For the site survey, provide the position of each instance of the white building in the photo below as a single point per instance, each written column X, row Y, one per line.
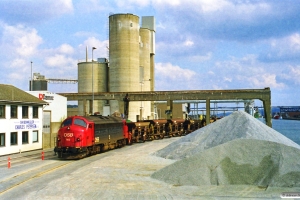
column 21, row 121
column 53, row 114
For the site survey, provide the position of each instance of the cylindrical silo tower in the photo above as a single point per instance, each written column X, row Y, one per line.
column 145, row 78
column 124, row 60
column 148, row 22
column 92, row 77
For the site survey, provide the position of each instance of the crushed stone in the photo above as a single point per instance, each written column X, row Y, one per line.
column 236, row 150
column 235, row 126
column 238, row 162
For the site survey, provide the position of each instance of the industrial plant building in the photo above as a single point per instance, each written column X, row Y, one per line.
column 129, row 68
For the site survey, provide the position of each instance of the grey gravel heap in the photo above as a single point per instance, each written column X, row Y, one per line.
column 236, row 150
column 237, row 125
column 238, row 162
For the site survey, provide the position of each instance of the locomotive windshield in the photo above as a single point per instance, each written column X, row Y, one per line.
column 80, row 122
column 67, row 122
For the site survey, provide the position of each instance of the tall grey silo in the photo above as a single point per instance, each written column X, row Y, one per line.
column 145, row 76
column 92, row 77
column 124, row 60
column 148, row 22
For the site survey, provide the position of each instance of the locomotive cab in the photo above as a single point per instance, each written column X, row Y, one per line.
column 74, row 135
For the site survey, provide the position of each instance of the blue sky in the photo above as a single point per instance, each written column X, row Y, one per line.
column 200, row 44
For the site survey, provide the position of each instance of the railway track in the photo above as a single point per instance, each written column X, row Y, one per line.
column 26, row 168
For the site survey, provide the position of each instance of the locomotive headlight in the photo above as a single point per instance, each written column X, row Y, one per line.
column 78, row 139
column 68, row 127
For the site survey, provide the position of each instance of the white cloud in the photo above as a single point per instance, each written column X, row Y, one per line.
column 227, row 79
column 188, row 43
column 30, row 12
column 17, row 63
column 132, row 4
column 212, row 5
column 291, row 42
column 200, row 58
column 265, row 80
column 245, row 72
column 16, row 77
column 211, row 72
column 291, row 74
column 89, row 6
column 20, row 40
column 58, row 60
column 285, row 48
column 66, row 49
column 64, row 6
column 171, row 72
column 167, row 2
column 101, row 50
column 160, row 25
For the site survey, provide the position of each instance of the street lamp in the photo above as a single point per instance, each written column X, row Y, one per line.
column 31, row 78
column 93, row 78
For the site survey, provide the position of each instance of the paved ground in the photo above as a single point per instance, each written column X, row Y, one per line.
column 119, row 174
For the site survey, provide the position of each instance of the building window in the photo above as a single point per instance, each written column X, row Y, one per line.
column 35, row 136
column 13, row 138
column 35, row 112
column 25, row 137
column 2, row 111
column 14, row 111
column 25, row 112
column 2, row 139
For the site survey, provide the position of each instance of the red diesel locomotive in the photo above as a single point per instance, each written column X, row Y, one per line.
column 81, row 136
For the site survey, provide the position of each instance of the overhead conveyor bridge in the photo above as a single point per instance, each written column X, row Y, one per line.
column 243, row 94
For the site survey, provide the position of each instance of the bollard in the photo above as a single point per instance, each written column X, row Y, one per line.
column 8, row 162
column 42, row 155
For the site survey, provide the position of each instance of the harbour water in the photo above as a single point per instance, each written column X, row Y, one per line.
column 288, row 128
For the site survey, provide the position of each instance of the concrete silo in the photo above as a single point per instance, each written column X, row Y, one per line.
column 39, row 83
column 92, row 81
column 149, row 23
column 124, row 59
column 145, row 78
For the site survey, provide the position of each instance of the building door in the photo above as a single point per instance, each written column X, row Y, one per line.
column 46, row 121
column 46, row 129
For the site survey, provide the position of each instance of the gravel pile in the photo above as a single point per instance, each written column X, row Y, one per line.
column 238, row 162
column 236, row 150
column 237, row 125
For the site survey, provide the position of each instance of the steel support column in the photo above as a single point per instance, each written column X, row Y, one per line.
column 267, row 112
column 169, row 108
column 207, row 111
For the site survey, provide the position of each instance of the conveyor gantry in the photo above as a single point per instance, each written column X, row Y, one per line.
column 246, row 94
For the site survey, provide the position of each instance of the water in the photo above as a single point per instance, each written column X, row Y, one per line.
column 288, row 128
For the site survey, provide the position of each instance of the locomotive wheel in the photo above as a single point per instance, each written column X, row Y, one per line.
column 101, row 148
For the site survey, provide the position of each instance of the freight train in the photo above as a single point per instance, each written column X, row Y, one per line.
column 81, row 136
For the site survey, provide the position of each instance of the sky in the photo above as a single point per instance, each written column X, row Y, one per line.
column 200, row 44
